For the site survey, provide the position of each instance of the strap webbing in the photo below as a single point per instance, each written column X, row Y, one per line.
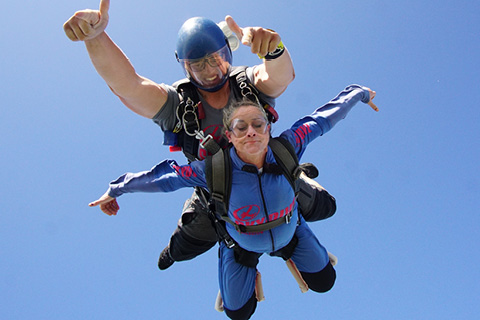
column 286, row 158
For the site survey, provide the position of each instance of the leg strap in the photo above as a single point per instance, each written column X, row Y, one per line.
column 297, row 275
column 258, row 293
column 259, row 287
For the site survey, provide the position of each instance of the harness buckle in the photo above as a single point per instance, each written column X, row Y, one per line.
column 203, row 140
column 288, row 217
column 229, row 243
column 240, row 228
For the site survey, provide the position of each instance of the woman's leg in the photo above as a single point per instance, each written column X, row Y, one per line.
column 311, row 259
column 237, row 285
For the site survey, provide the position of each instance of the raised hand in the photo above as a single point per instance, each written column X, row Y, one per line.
column 261, row 40
column 87, row 24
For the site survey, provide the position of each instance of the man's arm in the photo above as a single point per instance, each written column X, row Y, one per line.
column 274, row 75
column 141, row 95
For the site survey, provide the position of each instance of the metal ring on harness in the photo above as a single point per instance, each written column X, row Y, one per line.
column 190, row 119
column 191, row 126
column 247, row 92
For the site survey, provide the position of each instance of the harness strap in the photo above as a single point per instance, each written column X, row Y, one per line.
column 286, row 158
column 248, row 91
column 190, row 110
column 208, row 143
column 218, row 173
column 297, row 275
column 260, row 227
column 187, row 120
column 219, row 225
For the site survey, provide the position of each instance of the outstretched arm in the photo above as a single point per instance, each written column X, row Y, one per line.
column 327, row 116
column 273, row 76
column 166, row 176
column 141, row 95
column 338, row 108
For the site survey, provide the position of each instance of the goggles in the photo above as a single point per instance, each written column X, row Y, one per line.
column 214, row 60
column 240, row 127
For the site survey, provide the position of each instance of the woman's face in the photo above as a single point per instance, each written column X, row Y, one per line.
column 249, row 132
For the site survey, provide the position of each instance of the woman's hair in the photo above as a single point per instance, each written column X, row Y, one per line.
column 230, row 110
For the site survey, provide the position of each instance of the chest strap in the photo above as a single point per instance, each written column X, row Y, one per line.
column 260, row 227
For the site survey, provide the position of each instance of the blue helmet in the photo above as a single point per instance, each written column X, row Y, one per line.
column 201, row 42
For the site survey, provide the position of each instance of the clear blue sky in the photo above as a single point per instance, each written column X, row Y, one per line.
column 406, row 179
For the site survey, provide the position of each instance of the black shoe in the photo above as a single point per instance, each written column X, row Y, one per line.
column 165, row 261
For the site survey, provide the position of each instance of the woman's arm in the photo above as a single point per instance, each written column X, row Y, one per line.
column 327, row 116
column 338, row 108
column 166, row 176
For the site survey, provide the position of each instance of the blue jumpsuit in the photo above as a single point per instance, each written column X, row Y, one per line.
column 255, row 198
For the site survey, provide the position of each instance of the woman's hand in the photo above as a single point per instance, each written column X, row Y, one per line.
column 370, row 103
column 107, row 204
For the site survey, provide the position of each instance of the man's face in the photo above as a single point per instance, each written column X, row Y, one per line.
column 208, row 72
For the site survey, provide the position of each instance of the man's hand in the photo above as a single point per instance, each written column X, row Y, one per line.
column 262, row 41
column 107, row 204
column 87, row 24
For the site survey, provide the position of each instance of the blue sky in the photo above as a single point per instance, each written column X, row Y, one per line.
column 406, row 179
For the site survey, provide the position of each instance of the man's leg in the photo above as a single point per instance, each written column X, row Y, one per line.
column 195, row 234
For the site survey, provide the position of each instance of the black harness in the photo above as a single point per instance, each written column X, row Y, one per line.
column 218, row 173
column 188, row 135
